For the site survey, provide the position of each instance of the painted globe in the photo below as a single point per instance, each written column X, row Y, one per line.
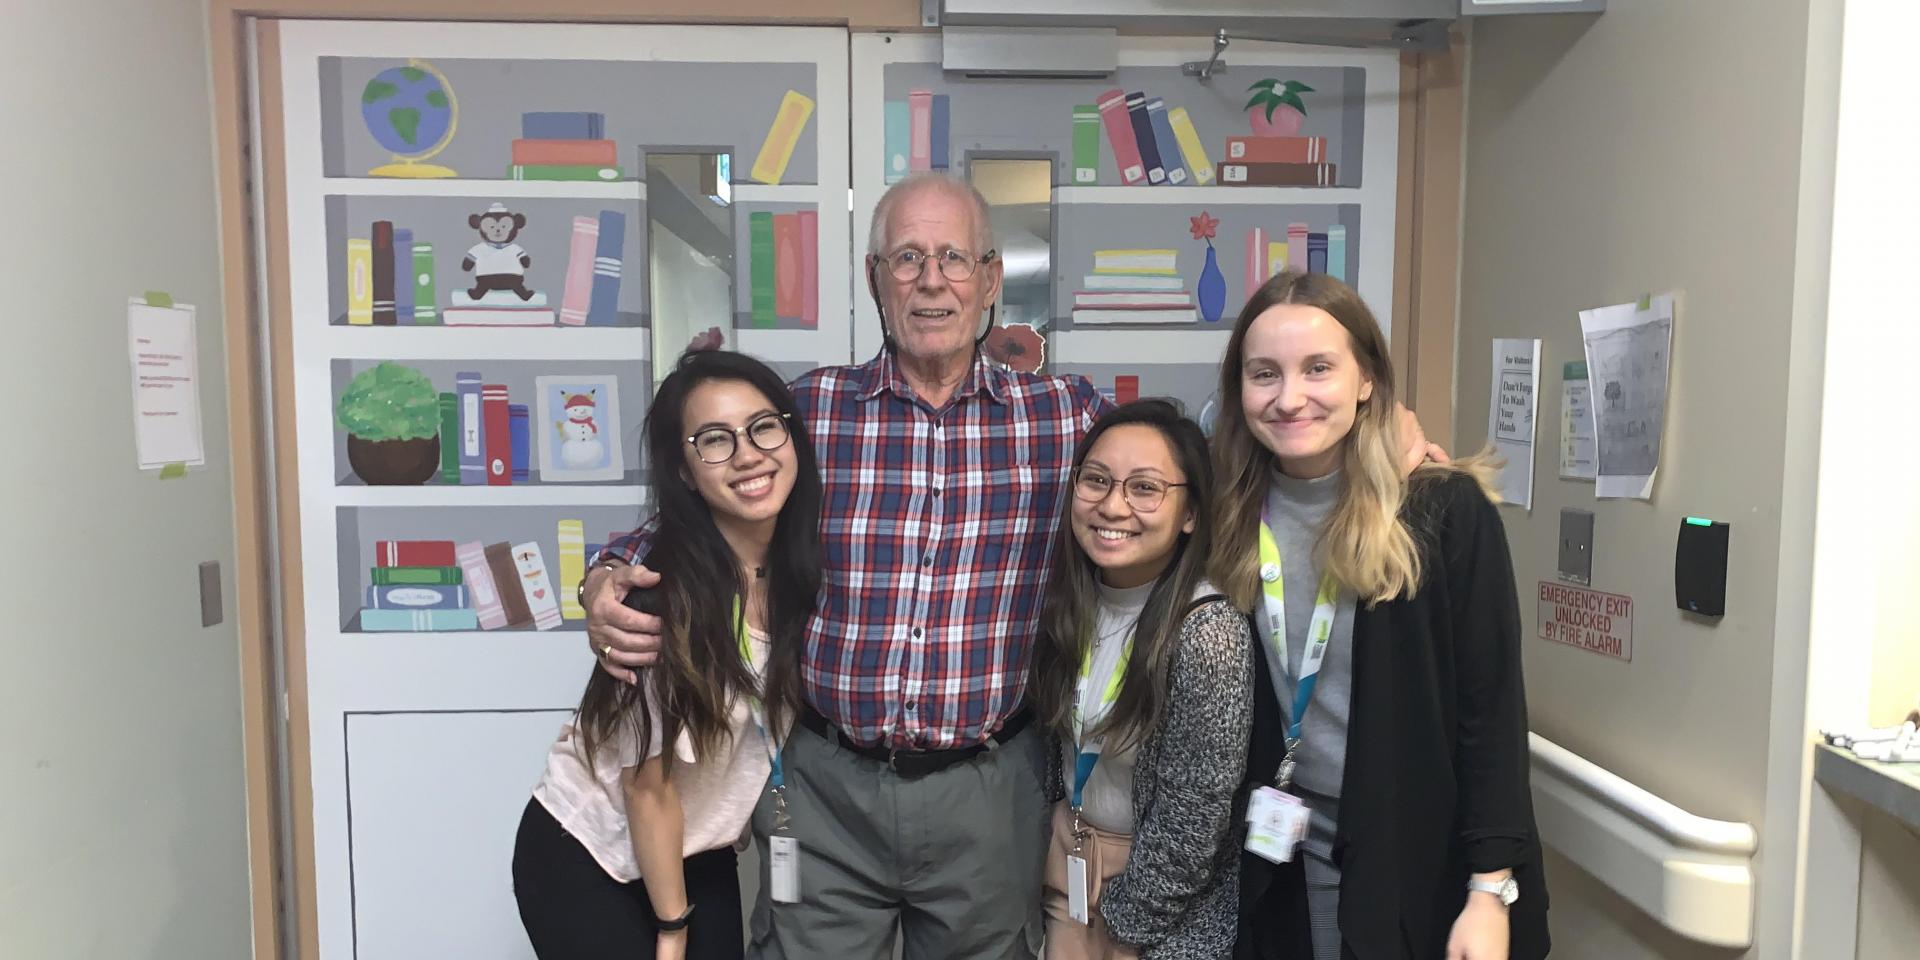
column 408, row 110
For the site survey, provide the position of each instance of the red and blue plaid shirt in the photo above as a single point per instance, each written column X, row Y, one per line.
column 937, row 528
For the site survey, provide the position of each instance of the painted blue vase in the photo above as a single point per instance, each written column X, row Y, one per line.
column 1212, row 289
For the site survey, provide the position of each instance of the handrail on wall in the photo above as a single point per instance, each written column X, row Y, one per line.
column 1692, row 873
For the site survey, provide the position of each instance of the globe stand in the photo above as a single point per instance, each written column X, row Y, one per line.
column 405, row 169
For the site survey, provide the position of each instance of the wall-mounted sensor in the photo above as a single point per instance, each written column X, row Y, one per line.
column 1700, row 567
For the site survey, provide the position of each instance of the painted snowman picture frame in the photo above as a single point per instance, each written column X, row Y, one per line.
column 578, row 426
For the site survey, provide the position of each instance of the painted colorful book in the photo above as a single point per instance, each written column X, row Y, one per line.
column 776, row 150
column 479, row 576
column 422, row 621
column 403, row 276
column 1276, row 256
column 499, row 430
column 1337, row 252
column 1165, row 143
column 604, row 303
column 760, row 257
column 1277, row 149
column 563, row 171
column 1132, row 281
column 1126, row 388
column 595, row 153
column 577, row 294
column 1277, row 174
column 1143, row 137
column 359, row 281
column 899, row 140
column 506, row 582
column 519, row 438
column 809, row 230
column 473, row 445
column 1135, row 261
column 416, row 597
column 1317, row 252
column 786, row 266
column 1086, row 144
column 449, row 438
column 1131, row 298
column 428, row 576
column 562, row 125
column 1256, row 259
column 413, row 553
column 1297, row 247
column 1126, row 152
column 537, row 585
column 939, row 154
column 920, row 130
column 383, row 273
column 426, row 311
column 1156, row 315
column 1192, row 148
column 573, row 567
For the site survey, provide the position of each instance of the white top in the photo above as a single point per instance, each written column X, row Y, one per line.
column 1107, row 800
column 489, row 260
column 716, row 796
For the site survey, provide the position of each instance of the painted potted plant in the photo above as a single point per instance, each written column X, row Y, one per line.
column 1275, row 109
column 392, row 417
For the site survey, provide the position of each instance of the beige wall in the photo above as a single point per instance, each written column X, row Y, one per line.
column 122, row 825
column 1889, row 888
column 1654, row 148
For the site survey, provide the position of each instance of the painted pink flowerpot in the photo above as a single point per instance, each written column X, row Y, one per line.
column 1285, row 121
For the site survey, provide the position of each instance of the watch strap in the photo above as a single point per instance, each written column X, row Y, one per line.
column 677, row 923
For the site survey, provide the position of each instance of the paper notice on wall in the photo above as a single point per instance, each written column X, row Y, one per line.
column 1628, row 347
column 166, row 384
column 1516, row 379
column 1577, row 460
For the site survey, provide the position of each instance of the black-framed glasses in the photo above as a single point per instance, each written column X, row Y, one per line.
column 767, row 432
column 1143, row 494
column 957, row 266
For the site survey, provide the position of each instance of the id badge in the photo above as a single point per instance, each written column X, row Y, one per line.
column 1077, row 889
column 1276, row 823
column 783, row 861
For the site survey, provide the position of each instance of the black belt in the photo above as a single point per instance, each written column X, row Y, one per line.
column 914, row 763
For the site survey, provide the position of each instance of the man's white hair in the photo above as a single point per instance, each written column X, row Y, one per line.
column 878, row 244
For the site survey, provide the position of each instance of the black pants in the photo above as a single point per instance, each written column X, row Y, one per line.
column 573, row 911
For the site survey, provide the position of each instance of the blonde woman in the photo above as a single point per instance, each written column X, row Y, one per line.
column 1388, row 808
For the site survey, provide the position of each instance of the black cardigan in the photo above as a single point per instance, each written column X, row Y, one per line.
column 1435, row 786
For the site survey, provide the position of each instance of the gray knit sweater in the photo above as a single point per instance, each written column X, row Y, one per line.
column 1179, row 897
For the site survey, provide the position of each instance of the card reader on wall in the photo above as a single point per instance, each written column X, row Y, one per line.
column 1700, row 567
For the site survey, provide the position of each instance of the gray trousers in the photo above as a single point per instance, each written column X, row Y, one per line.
column 949, row 863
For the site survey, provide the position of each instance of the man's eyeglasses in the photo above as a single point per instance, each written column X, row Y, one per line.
column 956, row 265
column 767, row 432
column 1143, row 494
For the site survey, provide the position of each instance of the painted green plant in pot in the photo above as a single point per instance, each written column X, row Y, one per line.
column 1275, row 109
column 392, row 417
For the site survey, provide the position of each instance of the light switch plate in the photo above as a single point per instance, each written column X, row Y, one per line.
column 1576, row 546
column 212, row 611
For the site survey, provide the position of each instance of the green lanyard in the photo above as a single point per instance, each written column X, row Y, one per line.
column 1274, row 629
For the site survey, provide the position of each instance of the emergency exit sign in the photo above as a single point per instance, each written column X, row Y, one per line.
column 1598, row 622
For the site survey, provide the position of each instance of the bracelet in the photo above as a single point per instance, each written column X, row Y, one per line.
column 580, row 592
column 677, row 923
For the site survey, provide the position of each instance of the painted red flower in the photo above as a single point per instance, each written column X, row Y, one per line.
column 1017, row 346
column 710, row 340
column 1204, row 227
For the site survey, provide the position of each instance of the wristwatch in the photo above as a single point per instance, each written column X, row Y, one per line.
column 677, row 923
column 1507, row 890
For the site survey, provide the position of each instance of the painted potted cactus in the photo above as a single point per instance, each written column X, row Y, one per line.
column 1275, row 109
column 392, row 417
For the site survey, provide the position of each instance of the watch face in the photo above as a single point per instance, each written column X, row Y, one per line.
column 1509, row 891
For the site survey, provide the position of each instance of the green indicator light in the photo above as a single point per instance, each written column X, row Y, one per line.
column 1700, row 521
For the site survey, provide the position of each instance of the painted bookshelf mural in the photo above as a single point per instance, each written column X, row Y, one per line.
column 1171, row 200
column 497, row 236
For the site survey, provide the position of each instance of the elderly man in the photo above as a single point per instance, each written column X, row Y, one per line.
column 912, row 779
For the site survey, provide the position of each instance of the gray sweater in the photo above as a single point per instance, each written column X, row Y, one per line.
column 1179, row 897
column 1299, row 510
